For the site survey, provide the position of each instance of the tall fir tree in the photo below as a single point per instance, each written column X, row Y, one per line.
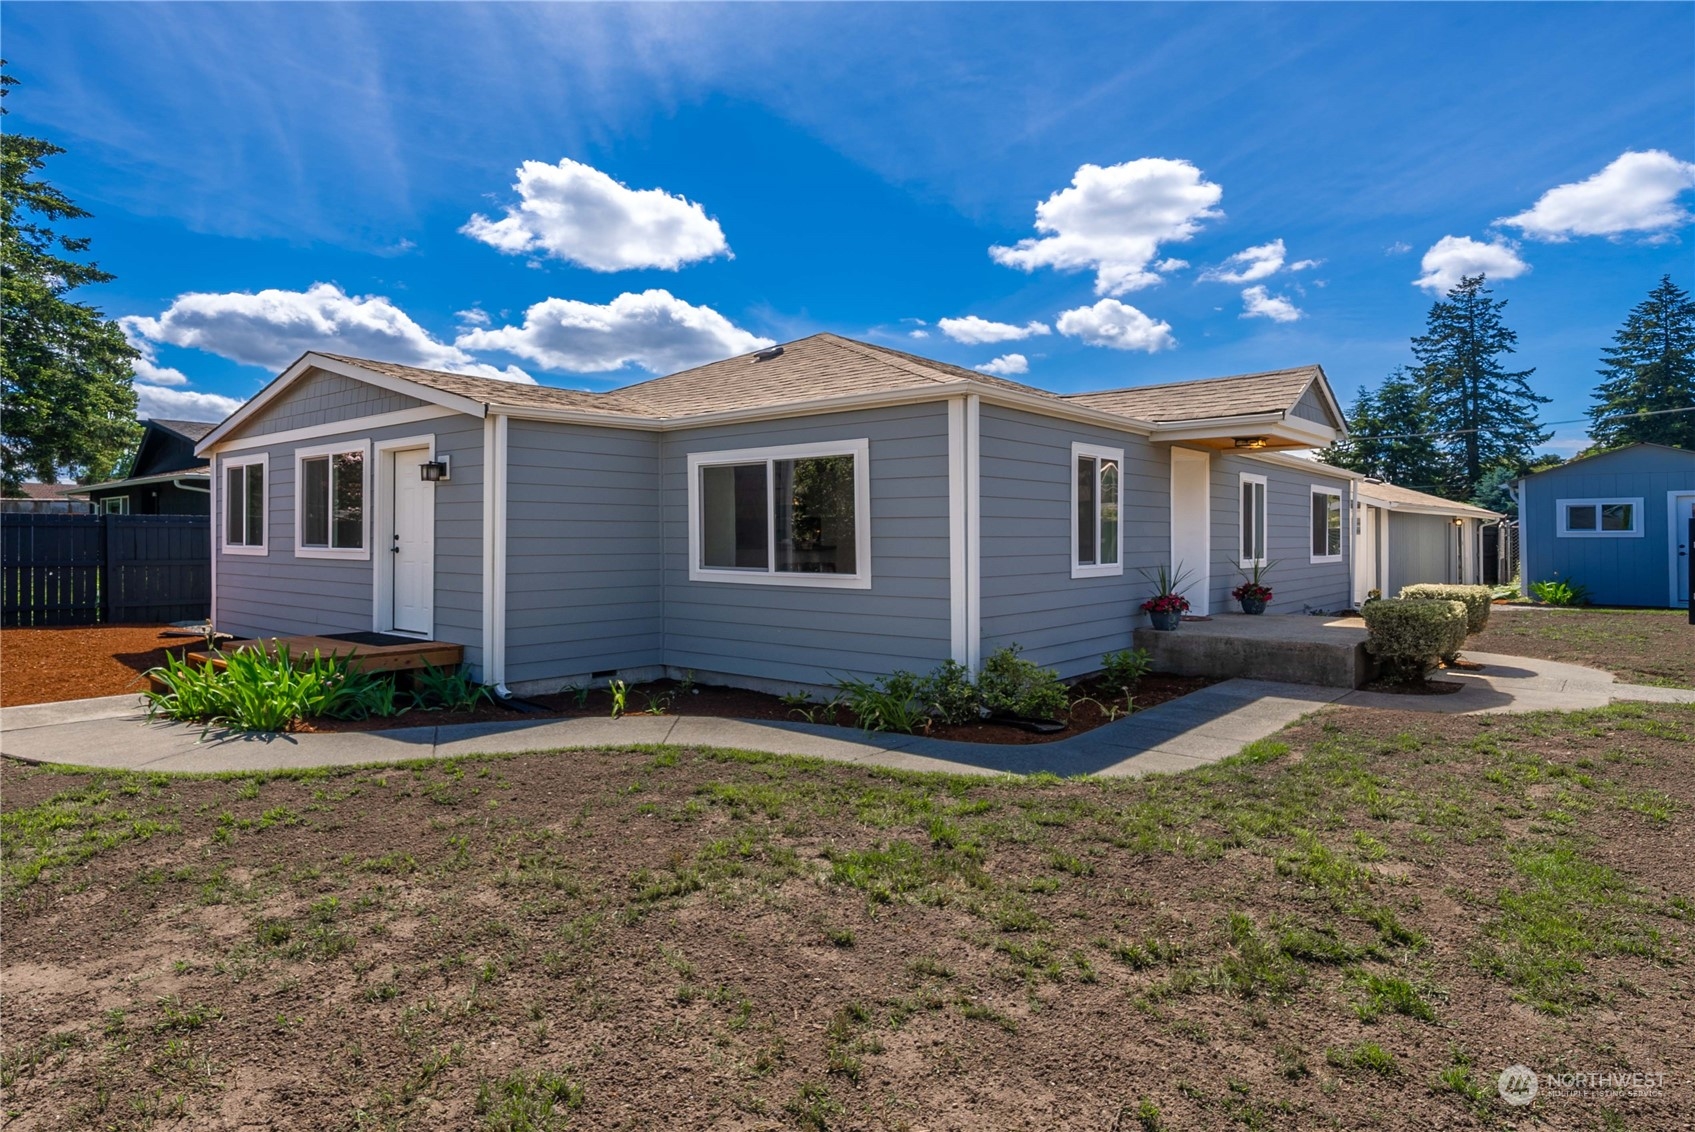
column 65, row 376
column 1649, row 368
column 1389, row 436
column 1487, row 412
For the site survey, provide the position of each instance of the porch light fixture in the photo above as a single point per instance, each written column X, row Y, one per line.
column 433, row 471
column 1251, row 442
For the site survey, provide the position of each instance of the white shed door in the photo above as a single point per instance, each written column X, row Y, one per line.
column 413, row 544
column 1682, row 507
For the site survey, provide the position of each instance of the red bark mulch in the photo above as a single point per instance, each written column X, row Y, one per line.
column 41, row 666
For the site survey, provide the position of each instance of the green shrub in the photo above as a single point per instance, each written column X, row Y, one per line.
column 1011, row 685
column 1478, row 601
column 268, row 690
column 889, row 704
column 1409, row 635
column 949, row 693
column 448, row 689
column 1122, row 669
column 1557, row 592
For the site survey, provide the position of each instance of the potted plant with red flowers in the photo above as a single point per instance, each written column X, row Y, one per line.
column 1167, row 607
column 1253, row 593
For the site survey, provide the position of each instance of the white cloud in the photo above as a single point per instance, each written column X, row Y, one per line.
column 182, row 404
column 975, row 331
column 476, row 316
column 1399, row 247
column 1637, row 192
column 1117, row 326
column 272, row 328
column 574, row 212
column 918, row 334
column 1256, row 303
column 1113, row 220
column 1006, row 365
column 1453, row 257
column 1171, row 264
column 1249, row 264
column 654, row 330
column 1304, row 264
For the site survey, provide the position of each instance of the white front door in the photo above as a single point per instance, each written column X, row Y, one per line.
column 1681, row 504
column 1368, row 573
column 412, row 544
column 1191, row 525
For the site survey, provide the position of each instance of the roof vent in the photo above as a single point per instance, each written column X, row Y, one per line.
column 767, row 355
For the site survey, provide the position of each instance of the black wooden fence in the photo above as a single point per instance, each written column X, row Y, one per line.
column 105, row 569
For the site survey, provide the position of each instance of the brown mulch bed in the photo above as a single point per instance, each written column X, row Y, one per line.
column 1092, row 708
column 39, row 666
column 689, row 941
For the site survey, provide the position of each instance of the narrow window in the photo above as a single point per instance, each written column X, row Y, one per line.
column 332, row 501
column 1097, row 534
column 1326, row 525
column 733, row 527
column 1087, row 543
column 244, row 505
column 1253, row 520
column 814, row 515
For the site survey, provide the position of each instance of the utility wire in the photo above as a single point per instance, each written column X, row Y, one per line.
column 1574, row 420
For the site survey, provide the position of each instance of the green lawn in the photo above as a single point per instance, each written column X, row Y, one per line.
column 1639, row 646
column 1359, row 924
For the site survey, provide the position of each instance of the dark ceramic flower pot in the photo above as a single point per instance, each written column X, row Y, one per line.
column 1165, row 621
column 1253, row 605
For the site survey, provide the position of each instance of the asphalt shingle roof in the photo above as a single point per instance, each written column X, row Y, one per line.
column 1272, row 391
column 1389, row 493
column 193, row 430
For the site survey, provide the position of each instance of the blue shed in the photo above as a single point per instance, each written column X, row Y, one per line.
column 1616, row 523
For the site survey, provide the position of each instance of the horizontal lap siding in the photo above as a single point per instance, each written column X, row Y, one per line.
column 279, row 594
column 1616, row 571
column 807, row 635
column 582, row 551
column 1028, row 595
column 1422, row 550
column 1297, row 583
column 324, row 398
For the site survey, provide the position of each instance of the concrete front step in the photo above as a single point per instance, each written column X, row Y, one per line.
column 1287, row 647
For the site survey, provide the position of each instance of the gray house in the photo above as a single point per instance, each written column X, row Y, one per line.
column 778, row 519
column 1616, row 523
column 1407, row 537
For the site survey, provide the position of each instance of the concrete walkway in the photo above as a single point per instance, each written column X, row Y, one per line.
column 1200, row 728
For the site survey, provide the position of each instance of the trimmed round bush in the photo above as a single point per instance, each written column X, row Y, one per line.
column 1409, row 635
column 1478, row 601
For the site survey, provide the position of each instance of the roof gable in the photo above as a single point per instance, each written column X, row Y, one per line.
column 1642, row 452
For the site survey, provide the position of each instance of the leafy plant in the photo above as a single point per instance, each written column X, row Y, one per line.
column 1409, row 635
column 1562, row 593
column 1012, row 685
column 1167, row 597
column 1253, row 587
column 889, row 704
column 1126, row 667
column 448, row 689
column 658, row 703
column 268, row 690
column 579, row 694
column 620, row 697
column 950, row 694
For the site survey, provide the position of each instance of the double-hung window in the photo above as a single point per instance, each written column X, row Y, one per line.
column 795, row 515
column 244, row 504
column 1326, row 524
column 1599, row 518
column 1251, row 545
column 1097, row 534
column 329, row 501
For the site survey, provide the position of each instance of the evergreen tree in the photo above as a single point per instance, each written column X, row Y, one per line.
column 64, row 368
column 1649, row 367
column 1388, row 436
column 1487, row 411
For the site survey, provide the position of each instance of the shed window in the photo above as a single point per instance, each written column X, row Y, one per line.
column 1097, row 535
column 793, row 515
column 1326, row 525
column 244, row 505
column 1252, row 521
column 1599, row 518
column 329, row 501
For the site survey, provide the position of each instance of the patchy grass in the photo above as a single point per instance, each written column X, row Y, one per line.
column 1639, row 646
column 714, row 937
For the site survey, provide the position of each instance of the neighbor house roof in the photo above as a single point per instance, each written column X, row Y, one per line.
column 188, row 430
column 42, row 490
column 1406, row 499
column 1274, row 391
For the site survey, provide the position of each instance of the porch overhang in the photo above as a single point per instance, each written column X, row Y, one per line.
column 1262, row 432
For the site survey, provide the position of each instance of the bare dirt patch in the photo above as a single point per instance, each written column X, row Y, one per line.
column 1357, row 926
column 1639, row 646
column 39, row 666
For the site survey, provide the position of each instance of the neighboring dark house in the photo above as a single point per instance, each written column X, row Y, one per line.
column 43, row 499
column 165, row 477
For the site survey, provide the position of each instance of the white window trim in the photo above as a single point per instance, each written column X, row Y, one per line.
column 1265, row 517
column 122, row 501
column 1336, row 493
column 263, row 459
column 859, row 449
column 1563, row 531
column 1097, row 452
column 301, row 455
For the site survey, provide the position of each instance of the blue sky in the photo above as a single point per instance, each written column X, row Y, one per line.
column 1225, row 188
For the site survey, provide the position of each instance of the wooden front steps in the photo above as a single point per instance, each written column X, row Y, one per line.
column 371, row 652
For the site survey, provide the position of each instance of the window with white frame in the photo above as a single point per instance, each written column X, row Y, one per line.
column 1326, row 524
column 1251, row 544
column 1599, row 518
column 790, row 515
column 329, row 501
column 115, row 505
column 244, row 504
column 1097, row 534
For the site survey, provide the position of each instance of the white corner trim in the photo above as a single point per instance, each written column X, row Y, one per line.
column 263, row 459
column 1342, row 510
column 1099, row 453
column 495, row 433
column 958, row 593
column 1264, row 518
column 973, row 533
column 1561, row 515
column 348, row 553
column 382, row 519
column 859, row 449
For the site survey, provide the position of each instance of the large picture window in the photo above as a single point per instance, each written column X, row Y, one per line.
column 329, row 497
column 795, row 515
column 1599, row 518
column 244, row 505
column 1326, row 525
column 1097, row 533
column 1252, row 542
